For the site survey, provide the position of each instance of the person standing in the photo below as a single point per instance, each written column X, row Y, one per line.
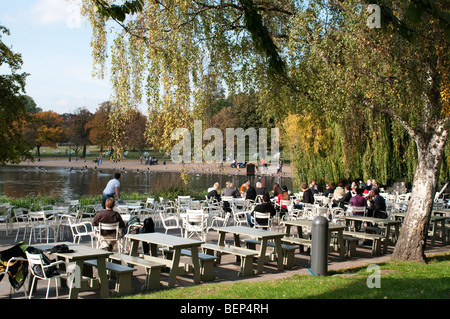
column 112, row 190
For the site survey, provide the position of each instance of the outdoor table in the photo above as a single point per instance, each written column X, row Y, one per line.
column 174, row 243
column 434, row 221
column 387, row 223
column 332, row 228
column 441, row 212
column 82, row 253
column 260, row 234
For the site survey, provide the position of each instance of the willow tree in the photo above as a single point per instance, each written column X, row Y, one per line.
column 382, row 70
column 163, row 50
column 314, row 57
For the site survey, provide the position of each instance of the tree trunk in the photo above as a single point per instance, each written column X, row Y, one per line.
column 411, row 243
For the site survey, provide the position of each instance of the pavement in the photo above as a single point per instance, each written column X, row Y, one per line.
column 226, row 272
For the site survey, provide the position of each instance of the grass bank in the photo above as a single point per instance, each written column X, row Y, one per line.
column 398, row 280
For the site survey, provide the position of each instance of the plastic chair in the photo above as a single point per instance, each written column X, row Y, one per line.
column 41, row 223
column 261, row 220
column 240, row 218
column 36, row 262
column 102, row 241
column 195, row 224
column 6, row 217
column 80, row 230
column 219, row 221
column 169, row 220
column 22, row 219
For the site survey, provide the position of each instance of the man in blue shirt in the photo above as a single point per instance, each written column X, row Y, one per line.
column 112, row 189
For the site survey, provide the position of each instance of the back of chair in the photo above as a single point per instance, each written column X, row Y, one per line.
column 36, row 260
column 261, row 220
column 109, row 227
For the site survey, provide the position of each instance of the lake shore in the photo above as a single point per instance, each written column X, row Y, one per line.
column 135, row 165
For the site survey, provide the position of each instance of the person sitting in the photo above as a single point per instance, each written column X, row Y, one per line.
column 308, row 196
column 213, row 192
column 283, row 196
column 230, row 190
column 108, row 216
column 377, row 206
column 265, row 207
column 338, row 192
column 260, row 190
column 344, row 200
column 276, row 190
column 315, row 189
column 358, row 200
column 329, row 190
column 244, row 187
column 234, row 164
column 251, row 192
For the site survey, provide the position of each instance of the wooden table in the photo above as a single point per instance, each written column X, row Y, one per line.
column 387, row 223
column 332, row 228
column 80, row 254
column 174, row 243
column 260, row 234
column 434, row 222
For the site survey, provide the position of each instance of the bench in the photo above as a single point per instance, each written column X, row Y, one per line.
column 206, row 262
column 122, row 276
column 350, row 244
column 288, row 251
column 302, row 242
column 152, row 269
column 246, row 256
column 377, row 240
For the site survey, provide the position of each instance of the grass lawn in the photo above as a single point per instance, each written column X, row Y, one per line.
column 398, row 280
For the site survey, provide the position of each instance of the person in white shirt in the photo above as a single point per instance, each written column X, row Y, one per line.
column 112, row 189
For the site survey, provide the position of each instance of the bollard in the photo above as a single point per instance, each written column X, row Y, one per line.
column 319, row 246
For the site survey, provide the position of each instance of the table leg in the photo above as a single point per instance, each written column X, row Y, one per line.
column 74, row 290
column 262, row 256
column 196, row 264
column 103, row 277
column 341, row 243
column 279, row 253
column 134, row 247
column 174, row 269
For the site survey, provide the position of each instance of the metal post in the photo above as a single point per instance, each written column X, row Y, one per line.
column 319, row 246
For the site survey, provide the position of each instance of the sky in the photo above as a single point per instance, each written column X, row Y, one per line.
column 54, row 42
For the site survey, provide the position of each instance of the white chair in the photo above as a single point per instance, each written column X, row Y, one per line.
column 239, row 217
column 357, row 210
column 5, row 217
column 183, row 203
column 261, row 220
column 219, row 221
column 81, row 229
column 39, row 222
column 108, row 242
column 22, row 220
column 170, row 220
column 195, row 224
column 38, row 270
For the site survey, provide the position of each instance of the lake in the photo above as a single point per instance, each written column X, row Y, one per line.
column 20, row 181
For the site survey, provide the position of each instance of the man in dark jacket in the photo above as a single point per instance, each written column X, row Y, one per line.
column 265, row 207
column 377, row 207
column 308, row 197
column 108, row 216
column 251, row 192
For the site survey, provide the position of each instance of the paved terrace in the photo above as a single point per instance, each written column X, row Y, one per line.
column 226, row 272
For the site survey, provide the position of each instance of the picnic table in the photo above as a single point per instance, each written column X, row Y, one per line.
column 173, row 243
column 435, row 220
column 264, row 236
column 385, row 223
column 79, row 256
column 332, row 228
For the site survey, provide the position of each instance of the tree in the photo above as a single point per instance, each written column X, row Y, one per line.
column 44, row 128
column 317, row 57
column 99, row 126
column 380, row 71
column 135, row 131
column 79, row 129
column 13, row 115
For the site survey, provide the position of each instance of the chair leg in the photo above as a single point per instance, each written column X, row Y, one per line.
column 32, row 287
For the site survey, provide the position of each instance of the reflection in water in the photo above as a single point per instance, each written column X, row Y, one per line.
column 18, row 181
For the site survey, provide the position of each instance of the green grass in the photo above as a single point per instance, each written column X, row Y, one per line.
column 399, row 280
